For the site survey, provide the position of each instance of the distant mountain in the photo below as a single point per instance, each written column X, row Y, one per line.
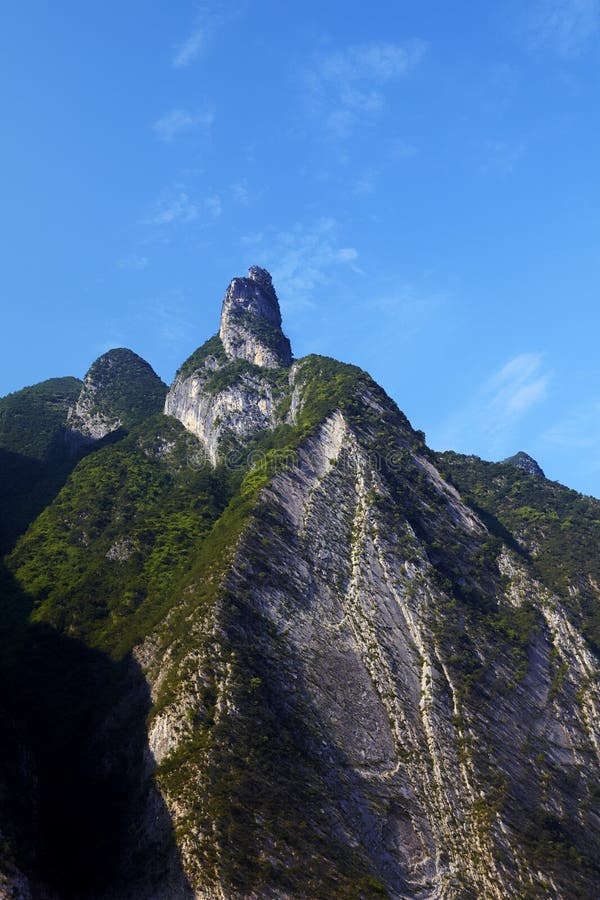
column 269, row 645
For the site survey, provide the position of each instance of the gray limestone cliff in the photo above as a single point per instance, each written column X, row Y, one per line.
column 414, row 704
column 119, row 390
column 251, row 322
column 230, row 387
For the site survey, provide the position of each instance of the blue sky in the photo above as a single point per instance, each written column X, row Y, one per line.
column 421, row 178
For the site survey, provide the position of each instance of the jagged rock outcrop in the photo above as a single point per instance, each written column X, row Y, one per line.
column 119, row 390
column 239, row 410
column 523, row 461
column 251, row 322
column 231, row 387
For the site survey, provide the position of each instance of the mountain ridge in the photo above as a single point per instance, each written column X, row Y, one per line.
column 328, row 660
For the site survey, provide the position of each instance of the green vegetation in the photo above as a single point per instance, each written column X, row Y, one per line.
column 142, row 539
column 32, row 420
column 34, row 457
column 553, row 526
column 120, row 534
column 127, row 388
column 212, row 347
column 266, row 332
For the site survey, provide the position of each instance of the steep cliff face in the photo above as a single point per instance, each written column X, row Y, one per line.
column 119, row 390
column 296, row 654
column 225, row 403
column 231, row 387
column 251, row 322
column 440, row 709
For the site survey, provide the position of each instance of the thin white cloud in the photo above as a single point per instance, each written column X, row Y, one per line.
column 347, row 87
column 135, row 262
column 252, row 240
column 176, row 207
column 191, row 48
column 167, row 317
column 347, row 254
column 501, row 157
column 210, row 18
column 302, row 259
column 580, row 429
column 214, row 206
column 566, row 27
column 365, row 184
column 400, row 149
column 489, row 418
column 240, row 192
column 407, row 310
column 181, row 121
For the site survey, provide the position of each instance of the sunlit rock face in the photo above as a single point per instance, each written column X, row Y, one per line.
column 251, row 322
column 216, row 395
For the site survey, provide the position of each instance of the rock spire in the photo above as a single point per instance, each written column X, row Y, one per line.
column 251, row 322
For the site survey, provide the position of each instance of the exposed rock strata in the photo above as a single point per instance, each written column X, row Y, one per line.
column 240, row 409
column 436, row 777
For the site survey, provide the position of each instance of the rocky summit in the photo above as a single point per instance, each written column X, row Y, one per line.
column 251, row 322
column 526, row 462
column 268, row 644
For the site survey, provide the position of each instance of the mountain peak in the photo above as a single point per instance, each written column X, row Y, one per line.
column 251, row 322
column 119, row 389
column 526, row 462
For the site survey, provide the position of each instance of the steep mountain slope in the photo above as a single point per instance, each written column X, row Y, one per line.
column 278, row 648
column 34, row 460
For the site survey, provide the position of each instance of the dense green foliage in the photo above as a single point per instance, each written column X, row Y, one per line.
column 34, row 458
column 226, row 371
column 119, row 535
column 210, row 348
column 553, row 526
column 125, row 387
column 32, row 420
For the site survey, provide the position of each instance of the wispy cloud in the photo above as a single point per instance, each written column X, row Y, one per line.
column 303, row 258
column 240, row 192
column 504, row 399
column 167, row 317
column 209, row 19
column 135, row 262
column 178, row 207
column 579, row 429
column 501, row 157
column 347, row 87
column 411, row 306
column 173, row 208
column 181, row 121
column 566, row 27
column 190, row 49
column 213, row 206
